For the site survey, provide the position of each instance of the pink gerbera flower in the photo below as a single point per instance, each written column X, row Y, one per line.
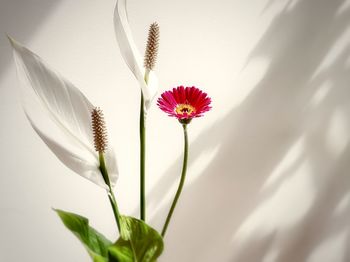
column 184, row 103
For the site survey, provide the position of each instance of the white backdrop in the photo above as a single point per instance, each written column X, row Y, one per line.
column 268, row 174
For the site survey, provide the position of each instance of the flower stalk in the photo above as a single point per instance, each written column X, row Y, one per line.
column 100, row 140
column 149, row 63
column 110, row 193
column 143, row 154
column 142, row 160
column 182, row 181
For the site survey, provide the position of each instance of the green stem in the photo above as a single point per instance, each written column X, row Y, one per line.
column 143, row 155
column 182, row 181
column 111, row 196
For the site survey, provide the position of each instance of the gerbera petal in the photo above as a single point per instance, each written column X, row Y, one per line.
column 184, row 103
column 169, row 99
column 131, row 54
column 175, row 95
column 189, row 94
column 64, row 109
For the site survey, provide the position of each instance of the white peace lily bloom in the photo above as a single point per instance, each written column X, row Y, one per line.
column 131, row 54
column 61, row 115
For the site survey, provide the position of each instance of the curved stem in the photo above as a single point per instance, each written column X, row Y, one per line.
column 114, row 205
column 182, row 181
column 143, row 156
column 142, row 161
column 111, row 196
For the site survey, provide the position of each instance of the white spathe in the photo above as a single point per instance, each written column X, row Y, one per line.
column 61, row 115
column 131, row 54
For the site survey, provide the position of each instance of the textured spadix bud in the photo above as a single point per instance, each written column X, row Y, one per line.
column 152, row 47
column 99, row 130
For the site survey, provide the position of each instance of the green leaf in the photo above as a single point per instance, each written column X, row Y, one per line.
column 138, row 242
column 120, row 252
column 95, row 243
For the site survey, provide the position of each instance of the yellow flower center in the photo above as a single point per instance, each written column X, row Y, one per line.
column 184, row 108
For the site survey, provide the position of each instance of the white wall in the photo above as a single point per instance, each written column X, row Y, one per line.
column 268, row 177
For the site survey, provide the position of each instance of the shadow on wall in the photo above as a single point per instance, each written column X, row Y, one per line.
column 21, row 19
column 297, row 101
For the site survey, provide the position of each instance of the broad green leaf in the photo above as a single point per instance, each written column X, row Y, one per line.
column 98, row 258
column 138, row 242
column 120, row 252
column 95, row 243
